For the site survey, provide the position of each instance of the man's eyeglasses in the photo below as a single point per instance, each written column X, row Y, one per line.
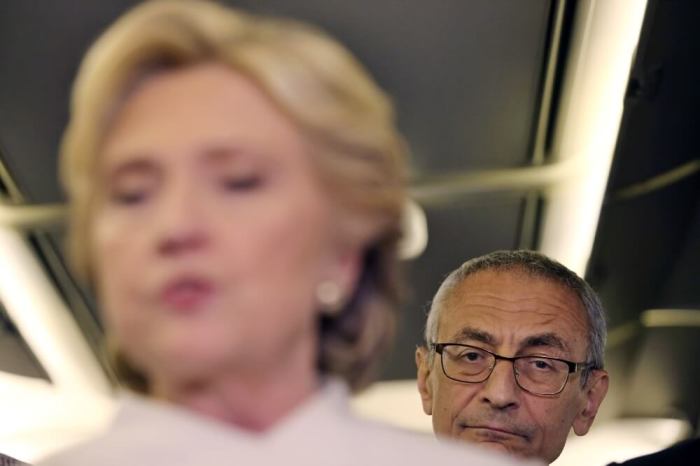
column 538, row 375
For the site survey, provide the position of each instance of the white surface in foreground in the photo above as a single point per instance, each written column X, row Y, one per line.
column 37, row 419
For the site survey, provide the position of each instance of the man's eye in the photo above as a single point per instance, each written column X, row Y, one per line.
column 471, row 356
column 241, row 183
column 541, row 364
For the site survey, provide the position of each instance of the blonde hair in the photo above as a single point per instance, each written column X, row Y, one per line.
column 347, row 120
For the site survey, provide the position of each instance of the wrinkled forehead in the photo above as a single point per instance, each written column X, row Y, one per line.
column 514, row 308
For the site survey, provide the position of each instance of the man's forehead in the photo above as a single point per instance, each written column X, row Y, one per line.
column 491, row 303
column 535, row 339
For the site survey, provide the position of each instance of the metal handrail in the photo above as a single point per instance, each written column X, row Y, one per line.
column 23, row 216
column 671, row 318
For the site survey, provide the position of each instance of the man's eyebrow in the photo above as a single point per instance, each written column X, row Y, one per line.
column 549, row 340
column 472, row 333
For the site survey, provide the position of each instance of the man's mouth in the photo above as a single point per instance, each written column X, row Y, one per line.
column 489, row 432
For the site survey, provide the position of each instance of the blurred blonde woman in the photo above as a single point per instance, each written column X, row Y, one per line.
column 235, row 186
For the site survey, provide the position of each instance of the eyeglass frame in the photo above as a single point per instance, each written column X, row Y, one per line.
column 573, row 366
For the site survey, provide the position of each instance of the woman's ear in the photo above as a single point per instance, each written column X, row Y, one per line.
column 340, row 278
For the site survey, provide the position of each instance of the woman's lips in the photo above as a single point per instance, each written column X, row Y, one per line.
column 186, row 294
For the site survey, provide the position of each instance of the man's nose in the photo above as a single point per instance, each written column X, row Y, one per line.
column 180, row 220
column 500, row 390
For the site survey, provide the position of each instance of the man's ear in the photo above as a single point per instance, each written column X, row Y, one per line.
column 425, row 385
column 594, row 392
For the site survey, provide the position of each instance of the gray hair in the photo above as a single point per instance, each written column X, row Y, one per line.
column 536, row 264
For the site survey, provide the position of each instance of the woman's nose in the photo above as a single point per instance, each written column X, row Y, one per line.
column 181, row 241
column 180, row 220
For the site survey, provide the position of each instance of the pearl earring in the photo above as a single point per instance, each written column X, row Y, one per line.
column 329, row 296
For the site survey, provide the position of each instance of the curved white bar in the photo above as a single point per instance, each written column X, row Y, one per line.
column 605, row 38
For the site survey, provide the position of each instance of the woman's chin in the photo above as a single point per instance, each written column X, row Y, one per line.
column 185, row 367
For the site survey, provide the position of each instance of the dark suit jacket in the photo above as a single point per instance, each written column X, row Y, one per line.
column 687, row 452
column 7, row 461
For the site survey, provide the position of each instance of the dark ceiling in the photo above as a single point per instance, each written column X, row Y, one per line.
column 465, row 92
